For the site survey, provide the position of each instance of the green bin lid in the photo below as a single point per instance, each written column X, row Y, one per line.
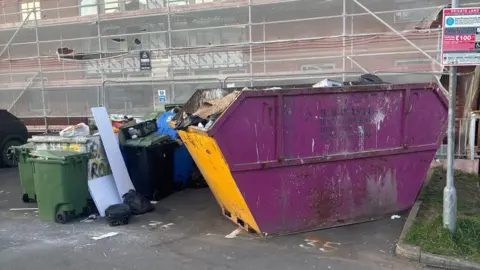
column 57, row 155
column 147, row 141
column 28, row 147
column 152, row 115
column 25, row 146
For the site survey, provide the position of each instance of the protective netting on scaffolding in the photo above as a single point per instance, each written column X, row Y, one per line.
column 63, row 48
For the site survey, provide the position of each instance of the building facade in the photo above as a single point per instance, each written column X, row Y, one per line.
column 59, row 58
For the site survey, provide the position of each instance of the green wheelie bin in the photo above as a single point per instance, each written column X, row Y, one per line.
column 61, row 183
column 25, row 170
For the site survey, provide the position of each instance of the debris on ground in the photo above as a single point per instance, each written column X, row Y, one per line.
column 395, row 217
column 103, row 236
column 155, row 223
column 167, row 226
column 234, row 233
column 322, row 244
column 89, row 219
column 23, row 209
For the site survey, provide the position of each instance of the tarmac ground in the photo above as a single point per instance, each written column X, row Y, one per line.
column 186, row 231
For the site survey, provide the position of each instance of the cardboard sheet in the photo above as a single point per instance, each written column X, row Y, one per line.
column 216, row 106
column 104, row 193
column 112, row 149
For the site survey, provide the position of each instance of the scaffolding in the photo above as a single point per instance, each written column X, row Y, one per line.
column 60, row 57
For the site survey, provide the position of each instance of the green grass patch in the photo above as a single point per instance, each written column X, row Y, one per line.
column 427, row 230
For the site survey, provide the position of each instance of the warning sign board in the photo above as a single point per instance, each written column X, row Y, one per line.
column 145, row 62
column 461, row 37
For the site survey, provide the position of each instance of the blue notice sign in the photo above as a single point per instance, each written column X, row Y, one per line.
column 450, row 21
column 162, row 95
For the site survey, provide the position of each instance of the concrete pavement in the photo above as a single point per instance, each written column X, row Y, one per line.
column 186, row 231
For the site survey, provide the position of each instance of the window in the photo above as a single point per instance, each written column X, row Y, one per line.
column 111, row 6
column 177, row 2
column 233, row 71
column 317, row 67
column 88, row 7
column 28, row 7
column 186, row 2
column 152, row 3
column 412, row 62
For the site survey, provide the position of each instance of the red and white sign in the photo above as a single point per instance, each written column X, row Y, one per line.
column 461, row 37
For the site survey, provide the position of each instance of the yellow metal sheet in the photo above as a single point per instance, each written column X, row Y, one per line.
column 212, row 164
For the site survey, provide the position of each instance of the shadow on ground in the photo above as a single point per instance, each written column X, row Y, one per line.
column 186, row 231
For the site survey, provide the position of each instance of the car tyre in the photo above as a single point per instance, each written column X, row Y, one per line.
column 7, row 157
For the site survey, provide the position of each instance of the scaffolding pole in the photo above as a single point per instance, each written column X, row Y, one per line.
column 344, row 30
column 264, row 47
column 351, row 33
column 250, row 41
column 100, row 61
column 40, row 67
column 170, row 56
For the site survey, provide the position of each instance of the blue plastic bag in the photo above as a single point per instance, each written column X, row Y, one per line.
column 182, row 161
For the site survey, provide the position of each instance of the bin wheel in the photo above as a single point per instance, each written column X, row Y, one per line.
column 25, row 198
column 61, row 217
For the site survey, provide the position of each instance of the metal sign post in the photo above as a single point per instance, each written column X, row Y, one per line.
column 449, row 192
column 459, row 47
